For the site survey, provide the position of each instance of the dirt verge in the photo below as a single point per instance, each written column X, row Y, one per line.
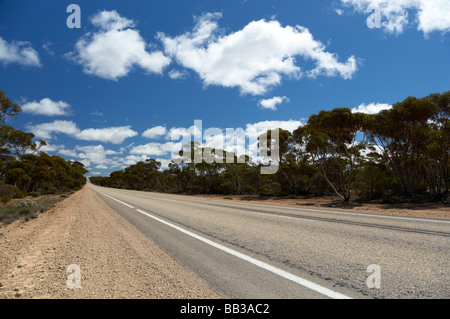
column 115, row 260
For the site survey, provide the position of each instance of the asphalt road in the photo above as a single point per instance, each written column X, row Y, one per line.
column 247, row 251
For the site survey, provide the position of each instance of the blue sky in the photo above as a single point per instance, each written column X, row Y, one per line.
column 92, row 92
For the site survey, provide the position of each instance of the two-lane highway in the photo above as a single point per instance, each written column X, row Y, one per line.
column 258, row 251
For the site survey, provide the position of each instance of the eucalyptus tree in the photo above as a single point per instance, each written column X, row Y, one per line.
column 404, row 134
column 331, row 138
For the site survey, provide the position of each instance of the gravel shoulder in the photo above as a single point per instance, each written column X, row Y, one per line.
column 114, row 258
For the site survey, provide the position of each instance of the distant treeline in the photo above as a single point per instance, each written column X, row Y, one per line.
column 24, row 169
column 397, row 154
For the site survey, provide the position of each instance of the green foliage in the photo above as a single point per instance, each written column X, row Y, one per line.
column 27, row 203
column 7, row 108
column 5, row 199
column 26, row 169
column 399, row 153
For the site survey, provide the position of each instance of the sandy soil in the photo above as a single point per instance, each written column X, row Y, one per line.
column 420, row 210
column 114, row 258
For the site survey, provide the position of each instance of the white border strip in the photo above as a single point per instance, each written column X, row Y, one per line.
column 306, row 283
column 115, row 199
column 303, row 282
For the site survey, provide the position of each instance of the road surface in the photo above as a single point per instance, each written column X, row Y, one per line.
column 245, row 250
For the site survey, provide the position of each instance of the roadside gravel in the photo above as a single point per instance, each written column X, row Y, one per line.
column 114, row 258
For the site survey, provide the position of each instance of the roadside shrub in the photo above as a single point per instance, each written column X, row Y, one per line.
column 263, row 191
column 248, row 189
column 5, row 199
column 35, row 194
column 226, row 188
column 53, row 190
column 17, row 192
column 27, row 203
column 8, row 214
column 393, row 199
column 25, row 211
column 275, row 189
column 6, row 191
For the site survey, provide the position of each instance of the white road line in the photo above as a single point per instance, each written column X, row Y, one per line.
column 282, row 273
column 303, row 282
column 115, row 199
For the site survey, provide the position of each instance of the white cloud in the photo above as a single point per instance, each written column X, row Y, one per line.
column 47, row 107
column 115, row 135
column 113, row 50
column 176, row 75
column 177, row 133
column 66, row 152
column 164, row 163
column 46, row 46
column 46, row 130
column 155, row 149
column 430, row 15
column 263, row 126
column 273, row 102
column 95, row 154
column 133, row 159
column 255, row 58
column 18, row 52
column 51, row 148
column 155, row 132
column 372, row 108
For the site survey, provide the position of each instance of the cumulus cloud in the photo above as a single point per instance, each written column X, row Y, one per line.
column 155, row 132
column 95, row 154
column 18, row 52
column 155, row 149
column 372, row 108
column 255, row 58
column 47, row 107
column 273, row 102
column 66, row 152
column 115, row 48
column 47, row 130
column 430, row 15
column 51, row 148
column 115, row 135
column 176, row 74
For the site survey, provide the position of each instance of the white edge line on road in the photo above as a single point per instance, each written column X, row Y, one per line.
column 116, row 199
column 303, row 282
